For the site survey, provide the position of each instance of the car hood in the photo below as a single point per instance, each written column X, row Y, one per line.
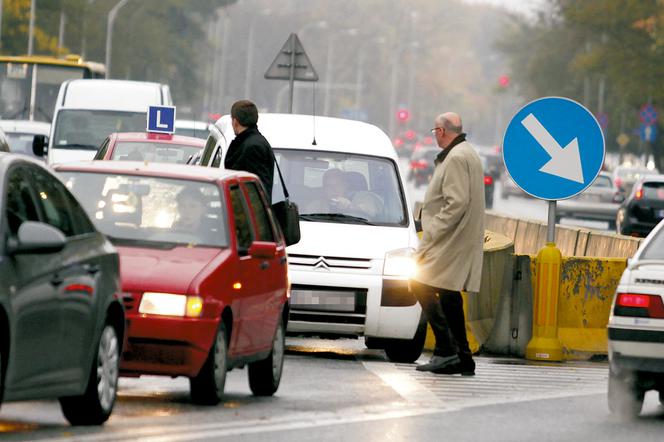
column 170, row 271
column 57, row 156
column 351, row 240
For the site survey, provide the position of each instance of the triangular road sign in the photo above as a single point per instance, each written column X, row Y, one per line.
column 292, row 57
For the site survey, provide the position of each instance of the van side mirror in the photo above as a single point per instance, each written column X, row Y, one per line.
column 417, row 216
column 39, row 145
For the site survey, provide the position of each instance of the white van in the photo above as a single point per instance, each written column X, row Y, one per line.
column 349, row 272
column 87, row 111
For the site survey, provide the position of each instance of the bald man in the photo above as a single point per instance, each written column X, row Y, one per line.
column 449, row 256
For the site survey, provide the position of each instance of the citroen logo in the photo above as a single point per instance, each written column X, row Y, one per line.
column 321, row 264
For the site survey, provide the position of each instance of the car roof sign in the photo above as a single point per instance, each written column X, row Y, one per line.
column 161, row 119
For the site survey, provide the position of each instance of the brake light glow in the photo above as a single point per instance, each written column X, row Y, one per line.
column 630, row 300
column 639, row 305
column 488, row 180
column 418, row 164
column 639, row 193
column 618, row 182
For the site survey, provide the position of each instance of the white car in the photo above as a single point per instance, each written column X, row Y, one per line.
column 21, row 135
column 192, row 128
column 636, row 329
column 350, row 270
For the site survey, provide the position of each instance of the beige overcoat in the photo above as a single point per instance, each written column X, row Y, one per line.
column 450, row 252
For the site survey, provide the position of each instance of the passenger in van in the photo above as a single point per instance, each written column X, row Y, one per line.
column 346, row 192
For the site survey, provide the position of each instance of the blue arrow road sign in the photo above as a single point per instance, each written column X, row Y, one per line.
column 161, row 119
column 553, row 148
column 648, row 132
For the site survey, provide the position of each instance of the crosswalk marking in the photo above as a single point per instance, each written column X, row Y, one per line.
column 495, row 381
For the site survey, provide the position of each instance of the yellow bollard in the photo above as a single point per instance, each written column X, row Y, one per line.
column 545, row 345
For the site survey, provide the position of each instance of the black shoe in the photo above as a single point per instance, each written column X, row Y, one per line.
column 439, row 363
column 462, row 368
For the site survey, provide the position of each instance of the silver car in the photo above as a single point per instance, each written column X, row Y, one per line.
column 599, row 202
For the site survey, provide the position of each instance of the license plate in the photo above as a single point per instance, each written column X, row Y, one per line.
column 323, row 300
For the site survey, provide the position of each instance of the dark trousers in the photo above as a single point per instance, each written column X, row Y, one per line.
column 444, row 312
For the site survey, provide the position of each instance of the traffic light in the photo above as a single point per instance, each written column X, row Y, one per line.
column 403, row 115
column 504, row 81
column 410, row 134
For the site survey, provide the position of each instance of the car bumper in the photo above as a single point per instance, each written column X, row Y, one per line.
column 389, row 310
column 599, row 211
column 638, row 227
column 167, row 346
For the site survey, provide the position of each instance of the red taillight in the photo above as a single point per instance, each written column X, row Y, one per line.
column 418, row 164
column 631, row 300
column 488, row 180
column 639, row 193
column 649, row 306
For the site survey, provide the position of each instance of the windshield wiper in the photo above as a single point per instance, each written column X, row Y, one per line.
column 142, row 243
column 337, row 217
column 76, row 146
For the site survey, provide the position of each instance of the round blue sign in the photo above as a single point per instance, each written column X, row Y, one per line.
column 553, row 148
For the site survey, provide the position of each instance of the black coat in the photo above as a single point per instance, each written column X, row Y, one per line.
column 251, row 152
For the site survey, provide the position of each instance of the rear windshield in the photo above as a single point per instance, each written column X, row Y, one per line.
column 87, row 129
column 653, row 191
column 655, row 249
column 153, row 152
column 151, row 209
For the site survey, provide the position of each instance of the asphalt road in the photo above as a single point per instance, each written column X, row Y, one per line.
column 336, row 390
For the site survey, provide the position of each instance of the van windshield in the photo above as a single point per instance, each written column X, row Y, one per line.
column 342, row 187
column 87, row 129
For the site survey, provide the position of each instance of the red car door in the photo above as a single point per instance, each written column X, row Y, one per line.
column 273, row 279
column 246, row 337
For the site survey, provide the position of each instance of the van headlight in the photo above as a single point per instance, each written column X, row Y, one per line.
column 400, row 262
column 170, row 304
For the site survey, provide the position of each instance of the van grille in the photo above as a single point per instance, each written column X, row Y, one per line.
column 328, row 262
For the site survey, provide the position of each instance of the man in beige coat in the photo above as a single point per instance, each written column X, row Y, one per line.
column 450, row 254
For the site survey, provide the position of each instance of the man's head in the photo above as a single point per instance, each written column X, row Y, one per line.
column 334, row 183
column 191, row 207
column 244, row 114
column 446, row 128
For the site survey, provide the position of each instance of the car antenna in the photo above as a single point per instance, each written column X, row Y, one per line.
column 313, row 143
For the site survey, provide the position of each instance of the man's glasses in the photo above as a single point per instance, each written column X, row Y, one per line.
column 433, row 131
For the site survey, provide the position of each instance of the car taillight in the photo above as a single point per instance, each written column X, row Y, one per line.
column 618, row 182
column 639, row 193
column 418, row 164
column 488, row 180
column 639, row 305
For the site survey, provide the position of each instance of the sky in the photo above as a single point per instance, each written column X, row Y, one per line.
column 527, row 7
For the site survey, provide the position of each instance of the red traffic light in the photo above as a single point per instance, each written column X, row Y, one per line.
column 504, row 81
column 403, row 115
column 410, row 134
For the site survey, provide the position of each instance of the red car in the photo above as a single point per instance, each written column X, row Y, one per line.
column 203, row 269
column 152, row 147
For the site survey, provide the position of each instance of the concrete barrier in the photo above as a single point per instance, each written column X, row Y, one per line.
column 530, row 236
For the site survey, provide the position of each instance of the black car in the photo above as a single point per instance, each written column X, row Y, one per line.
column 61, row 322
column 644, row 207
column 420, row 168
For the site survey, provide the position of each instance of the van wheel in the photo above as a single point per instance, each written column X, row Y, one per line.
column 94, row 406
column 207, row 388
column 406, row 350
column 265, row 375
column 624, row 395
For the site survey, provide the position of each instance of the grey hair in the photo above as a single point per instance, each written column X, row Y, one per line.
column 447, row 124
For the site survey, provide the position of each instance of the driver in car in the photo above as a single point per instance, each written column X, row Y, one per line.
column 337, row 198
column 191, row 209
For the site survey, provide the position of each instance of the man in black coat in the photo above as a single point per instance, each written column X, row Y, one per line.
column 250, row 151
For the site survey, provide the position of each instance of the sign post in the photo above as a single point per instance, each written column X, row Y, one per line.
column 292, row 63
column 553, row 149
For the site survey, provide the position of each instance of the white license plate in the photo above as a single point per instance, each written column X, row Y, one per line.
column 323, row 300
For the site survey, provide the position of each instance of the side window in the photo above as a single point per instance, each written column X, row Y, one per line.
column 21, row 204
column 208, row 150
column 53, row 201
column 216, row 162
column 264, row 225
column 243, row 231
column 82, row 223
column 102, row 150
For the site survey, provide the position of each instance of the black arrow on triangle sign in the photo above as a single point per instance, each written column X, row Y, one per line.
column 292, row 63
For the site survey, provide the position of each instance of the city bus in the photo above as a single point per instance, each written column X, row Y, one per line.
column 29, row 84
